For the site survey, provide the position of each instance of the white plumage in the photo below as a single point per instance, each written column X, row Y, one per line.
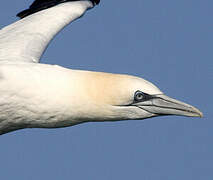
column 26, row 39
column 35, row 95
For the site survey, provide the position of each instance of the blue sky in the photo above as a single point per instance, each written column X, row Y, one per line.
column 166, row 42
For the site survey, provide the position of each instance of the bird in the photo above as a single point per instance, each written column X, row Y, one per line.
column 36, row 95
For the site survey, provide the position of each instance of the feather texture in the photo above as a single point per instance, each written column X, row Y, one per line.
column 27, row 39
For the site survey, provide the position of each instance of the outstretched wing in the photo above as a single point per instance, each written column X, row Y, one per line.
column 27, row 39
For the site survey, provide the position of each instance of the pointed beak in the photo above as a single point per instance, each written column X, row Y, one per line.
column 164, row 105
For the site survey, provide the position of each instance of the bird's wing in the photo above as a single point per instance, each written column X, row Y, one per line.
column 27, row 39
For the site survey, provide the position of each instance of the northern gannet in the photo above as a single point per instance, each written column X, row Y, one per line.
column 35, row 95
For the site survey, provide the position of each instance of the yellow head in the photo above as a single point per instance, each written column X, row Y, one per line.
column 111, row 97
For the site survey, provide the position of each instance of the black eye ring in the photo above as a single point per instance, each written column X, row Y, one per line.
column 139, row 96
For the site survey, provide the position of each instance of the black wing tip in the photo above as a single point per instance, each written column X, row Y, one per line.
column 39, row 5
column 96, row 2
column 23, row 14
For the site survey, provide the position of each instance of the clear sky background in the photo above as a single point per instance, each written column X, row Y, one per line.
column 168, row 42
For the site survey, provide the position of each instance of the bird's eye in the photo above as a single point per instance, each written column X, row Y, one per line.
column 139, row 96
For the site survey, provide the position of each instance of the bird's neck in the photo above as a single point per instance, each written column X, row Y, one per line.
column 34, row 32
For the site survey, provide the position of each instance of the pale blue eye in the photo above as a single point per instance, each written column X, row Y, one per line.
column 139, row 96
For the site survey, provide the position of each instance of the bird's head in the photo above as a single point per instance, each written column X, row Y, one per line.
column 120, row 97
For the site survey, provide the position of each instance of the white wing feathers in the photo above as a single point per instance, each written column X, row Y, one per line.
column 27, row 39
